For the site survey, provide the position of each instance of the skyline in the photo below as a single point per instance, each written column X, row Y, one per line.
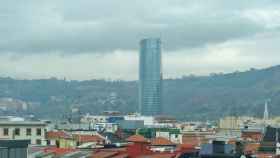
column 99, row 39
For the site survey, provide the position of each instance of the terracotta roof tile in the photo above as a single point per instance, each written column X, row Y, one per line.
column 265, row 155
column 159, row 155
column 137, row 138
column 186, row 146
column 121, row 156
column 57, row 134
column 88, row 138
column 104, row 154
column 161, row 141
column 251, row 148
column 59, row 151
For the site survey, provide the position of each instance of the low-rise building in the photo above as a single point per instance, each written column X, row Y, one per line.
column 89, row 141
column 218, row 149
column 252, row 135
column 94, row 119
column 172, row 134
column 14, row 148
column 197, row 138
column 53, row 137
column 149, row 121
column 23, row 130
column 108, row 127
column 161, row 144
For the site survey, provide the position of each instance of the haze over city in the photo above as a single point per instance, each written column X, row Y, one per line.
column 99, row 39
column 139, row 79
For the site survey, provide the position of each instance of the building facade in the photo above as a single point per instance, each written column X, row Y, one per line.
column 150, row 77
column 23, row 130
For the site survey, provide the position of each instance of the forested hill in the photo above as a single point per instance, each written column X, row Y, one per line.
column 190, row 97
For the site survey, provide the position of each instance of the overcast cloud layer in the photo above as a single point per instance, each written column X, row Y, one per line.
column 90, row 39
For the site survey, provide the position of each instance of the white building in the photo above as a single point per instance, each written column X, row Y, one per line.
column 148, row 120
column 107, row 127
column 94, row 119
column 173, row 137
column 23, row 130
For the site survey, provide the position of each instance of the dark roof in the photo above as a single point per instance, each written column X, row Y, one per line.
column 14, row 143
column 268, row 144
column 208, row 149
column 270, row 134
column 267, row 147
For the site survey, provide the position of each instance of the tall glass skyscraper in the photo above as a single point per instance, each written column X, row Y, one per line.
column 150, row 77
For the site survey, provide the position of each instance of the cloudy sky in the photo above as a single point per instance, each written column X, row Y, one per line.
column 88, row 39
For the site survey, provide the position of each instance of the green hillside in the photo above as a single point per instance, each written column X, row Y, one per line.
column 189, row 97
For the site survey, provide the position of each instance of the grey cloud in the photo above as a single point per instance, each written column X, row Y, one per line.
column 71, row 26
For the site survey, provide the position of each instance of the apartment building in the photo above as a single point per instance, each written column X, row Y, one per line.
column 23, row 130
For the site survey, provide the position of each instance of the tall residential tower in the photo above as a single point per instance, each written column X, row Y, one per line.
column 150, row 77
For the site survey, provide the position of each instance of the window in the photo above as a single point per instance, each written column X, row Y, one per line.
column 28, row 131
column 17, row 131
column 6, row 131
column 38, row 131
column 38, row 141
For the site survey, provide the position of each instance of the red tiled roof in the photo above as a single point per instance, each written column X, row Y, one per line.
column 104, row 154
column 161, row 141
column 88, row 138
column 57, row 134
column 194, row 140
column 111, row 153
column 123, row 149
column 159, row 155
column 265, row 155
column 251, row 148
column 251, row 136
column 121, row 156
column 137, row 138
column 187, row 146
column 59, row 151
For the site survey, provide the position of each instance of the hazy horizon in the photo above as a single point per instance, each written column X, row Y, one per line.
column 132, row 80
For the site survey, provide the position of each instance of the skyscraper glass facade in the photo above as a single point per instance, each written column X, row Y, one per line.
column 150, row 77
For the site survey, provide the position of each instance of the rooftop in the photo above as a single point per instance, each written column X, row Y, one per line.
column 137, row 138
column 159, row 155
column 57, row 134
column 22, row 123
column 160, row 141
column 88, row 138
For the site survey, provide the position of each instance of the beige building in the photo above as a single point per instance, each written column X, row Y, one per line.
column 230, row 122
column 23, row 130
